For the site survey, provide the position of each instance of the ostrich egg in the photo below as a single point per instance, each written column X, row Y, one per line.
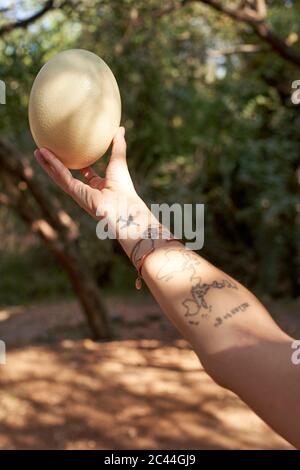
column 75, row 107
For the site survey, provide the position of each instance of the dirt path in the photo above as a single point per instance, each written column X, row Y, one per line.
column 62, row 393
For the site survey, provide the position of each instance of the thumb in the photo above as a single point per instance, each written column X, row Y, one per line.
column 118, row 153
column 117, row 169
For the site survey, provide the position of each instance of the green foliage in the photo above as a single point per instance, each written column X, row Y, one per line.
column 200, row 128
column 31, row 277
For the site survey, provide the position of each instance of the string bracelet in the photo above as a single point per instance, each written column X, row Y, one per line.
column 140, row 262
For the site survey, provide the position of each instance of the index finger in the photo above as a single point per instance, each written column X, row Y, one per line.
column 55, row 168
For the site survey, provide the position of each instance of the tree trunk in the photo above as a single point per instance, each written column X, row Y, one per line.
column 46, row 217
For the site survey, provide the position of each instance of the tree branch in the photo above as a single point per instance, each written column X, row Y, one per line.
column 49, row 5
column 238, row 49
column 278, row 44
column 261, row 8
column 45, row 216
column 256, row 19
column 13, row 162
column 239, row 14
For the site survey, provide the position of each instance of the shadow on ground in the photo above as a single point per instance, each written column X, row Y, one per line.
column 62, row 392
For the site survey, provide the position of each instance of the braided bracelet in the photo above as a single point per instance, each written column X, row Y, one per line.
column 138, row 281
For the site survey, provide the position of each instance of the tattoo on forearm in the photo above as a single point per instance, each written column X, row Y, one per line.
column 240, row 308
column 176, row 261
column 196, row 305
column 127, row 222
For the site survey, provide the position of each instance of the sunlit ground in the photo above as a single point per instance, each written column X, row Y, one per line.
column 133, row 392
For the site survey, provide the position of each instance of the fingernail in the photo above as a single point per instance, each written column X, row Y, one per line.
column 122, row 130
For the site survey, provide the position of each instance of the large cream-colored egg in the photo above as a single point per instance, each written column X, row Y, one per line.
column 75, row 107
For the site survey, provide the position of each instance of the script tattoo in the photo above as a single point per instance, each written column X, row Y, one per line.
column 197, row 305
column 178, row 261
column 240, row 308
column 127, row 222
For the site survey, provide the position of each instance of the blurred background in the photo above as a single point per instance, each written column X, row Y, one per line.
column 206, row 91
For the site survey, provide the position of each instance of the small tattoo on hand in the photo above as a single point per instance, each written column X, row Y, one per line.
column 127, row 222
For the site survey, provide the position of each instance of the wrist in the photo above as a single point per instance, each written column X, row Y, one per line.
column 139, row 232
column 119, row 206
column 134, row 226
column 132, row 221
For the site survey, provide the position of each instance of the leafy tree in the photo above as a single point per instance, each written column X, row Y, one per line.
column 206, row 88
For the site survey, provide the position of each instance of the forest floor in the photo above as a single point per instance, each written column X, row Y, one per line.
column 144, row 389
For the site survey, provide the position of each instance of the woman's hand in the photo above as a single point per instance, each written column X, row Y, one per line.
column 97, row 193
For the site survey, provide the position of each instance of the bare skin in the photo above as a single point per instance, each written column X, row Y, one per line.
column 234, row 336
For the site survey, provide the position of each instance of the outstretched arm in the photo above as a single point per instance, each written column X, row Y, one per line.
column 235, row 338
column 237, row 341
